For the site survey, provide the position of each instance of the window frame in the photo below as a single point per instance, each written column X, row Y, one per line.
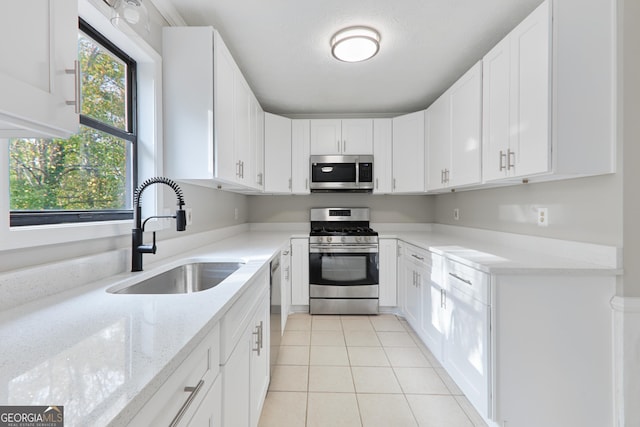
column 32, row 217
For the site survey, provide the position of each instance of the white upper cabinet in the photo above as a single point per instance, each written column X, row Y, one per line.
column 382, row 156
column 348, row 136
column 549, row 95
column 300, row 145
column 453, row 130
column 517, row 96
column 277, row 159
column 213, row 123
column 39, row 74
column 408, row 153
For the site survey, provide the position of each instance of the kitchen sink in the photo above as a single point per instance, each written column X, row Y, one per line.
column 184, row 279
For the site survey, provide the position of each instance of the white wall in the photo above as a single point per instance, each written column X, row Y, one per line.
column 393, row 209
column 583, row 209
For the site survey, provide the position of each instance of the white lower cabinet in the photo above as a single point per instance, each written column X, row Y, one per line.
column 189, row 393
column 300, row 271
column 209, row 413
column 467, row 351
column 447, row 304
column 435, row 318
column 388, row 272
column 245, row 355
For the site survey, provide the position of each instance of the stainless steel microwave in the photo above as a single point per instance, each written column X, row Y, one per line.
column 341, row 173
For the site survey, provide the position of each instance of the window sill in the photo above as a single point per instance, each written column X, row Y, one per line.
column 41, row 235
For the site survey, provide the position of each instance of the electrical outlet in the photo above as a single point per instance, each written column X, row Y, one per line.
column 543, row 217
column 456, row 214
column 189, row 215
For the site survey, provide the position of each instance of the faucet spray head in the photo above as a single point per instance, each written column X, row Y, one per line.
column 181, row 219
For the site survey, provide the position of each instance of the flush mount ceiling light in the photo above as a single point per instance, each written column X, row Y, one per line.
column 355, row 44
column 130, row 16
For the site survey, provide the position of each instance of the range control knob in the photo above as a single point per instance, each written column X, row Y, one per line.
column 343, row 239
column 329, row 239
column 358, row 239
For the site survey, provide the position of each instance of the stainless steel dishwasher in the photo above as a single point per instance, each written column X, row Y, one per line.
column 276, row 309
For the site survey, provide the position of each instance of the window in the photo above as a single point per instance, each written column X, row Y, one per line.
column 90, row 176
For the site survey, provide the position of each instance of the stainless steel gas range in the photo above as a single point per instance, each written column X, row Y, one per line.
column 343, row 262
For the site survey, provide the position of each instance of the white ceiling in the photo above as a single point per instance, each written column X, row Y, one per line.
column 282, row 48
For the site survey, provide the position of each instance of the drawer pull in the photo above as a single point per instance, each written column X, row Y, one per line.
column 417, row 257
column 183, row 409
column 467, row 281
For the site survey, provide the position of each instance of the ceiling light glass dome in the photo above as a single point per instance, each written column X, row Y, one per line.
column 355, row 44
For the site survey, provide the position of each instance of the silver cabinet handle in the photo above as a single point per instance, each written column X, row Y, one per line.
column 238, row 168
column 446, row 176
column 394, row 183
column 441, row 176
column 259, row 179
column 289, row 183
column 509, row 155
column 183, row 409
column 376, row 183
column 338, row 146
column 306, row 183
column 286, row 273
column 443, row 299
column 417, row 257
column 502, row 156
column 77, row 90
column 467, row 281
column 261, row 336
column 344, row 146
column 257, row 335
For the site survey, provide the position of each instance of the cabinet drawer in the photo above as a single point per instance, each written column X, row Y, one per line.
column 235, row 320
column 467, row 280
column 418, row 255
column 184, row 390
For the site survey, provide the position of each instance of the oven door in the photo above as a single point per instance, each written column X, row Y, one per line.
column 343, row 268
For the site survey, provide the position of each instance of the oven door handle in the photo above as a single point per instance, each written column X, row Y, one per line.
column 338, row 248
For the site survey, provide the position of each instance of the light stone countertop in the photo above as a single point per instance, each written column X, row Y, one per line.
column 103, row 356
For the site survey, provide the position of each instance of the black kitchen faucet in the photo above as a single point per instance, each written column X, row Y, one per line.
column 138, row 247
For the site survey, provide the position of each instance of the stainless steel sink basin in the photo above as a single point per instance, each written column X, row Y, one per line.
column 184, row 279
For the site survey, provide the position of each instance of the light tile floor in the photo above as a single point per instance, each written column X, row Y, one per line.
column 367, row 371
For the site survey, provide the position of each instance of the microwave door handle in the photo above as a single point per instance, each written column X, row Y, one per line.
column 357, row 173
column 326, row 169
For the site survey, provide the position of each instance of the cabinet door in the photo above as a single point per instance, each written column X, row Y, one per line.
column 242, row 129
column 530, row 95
column 40, row 43
column 438, row 139
column 226, row 166
column 434, row 304
column 326, row 136
column 408, row 153
column 413, row 297
column 285, row 288
column 388, row 272
column 236, row 384
column 357, row 136
column 466, row 352
column 495, row 111
column 209, row 413
column 259, row 367
column 300, row 271
column 382, row 155
column 466, row 122
column 278, row 153
column 300, row 145
column 257, row 143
